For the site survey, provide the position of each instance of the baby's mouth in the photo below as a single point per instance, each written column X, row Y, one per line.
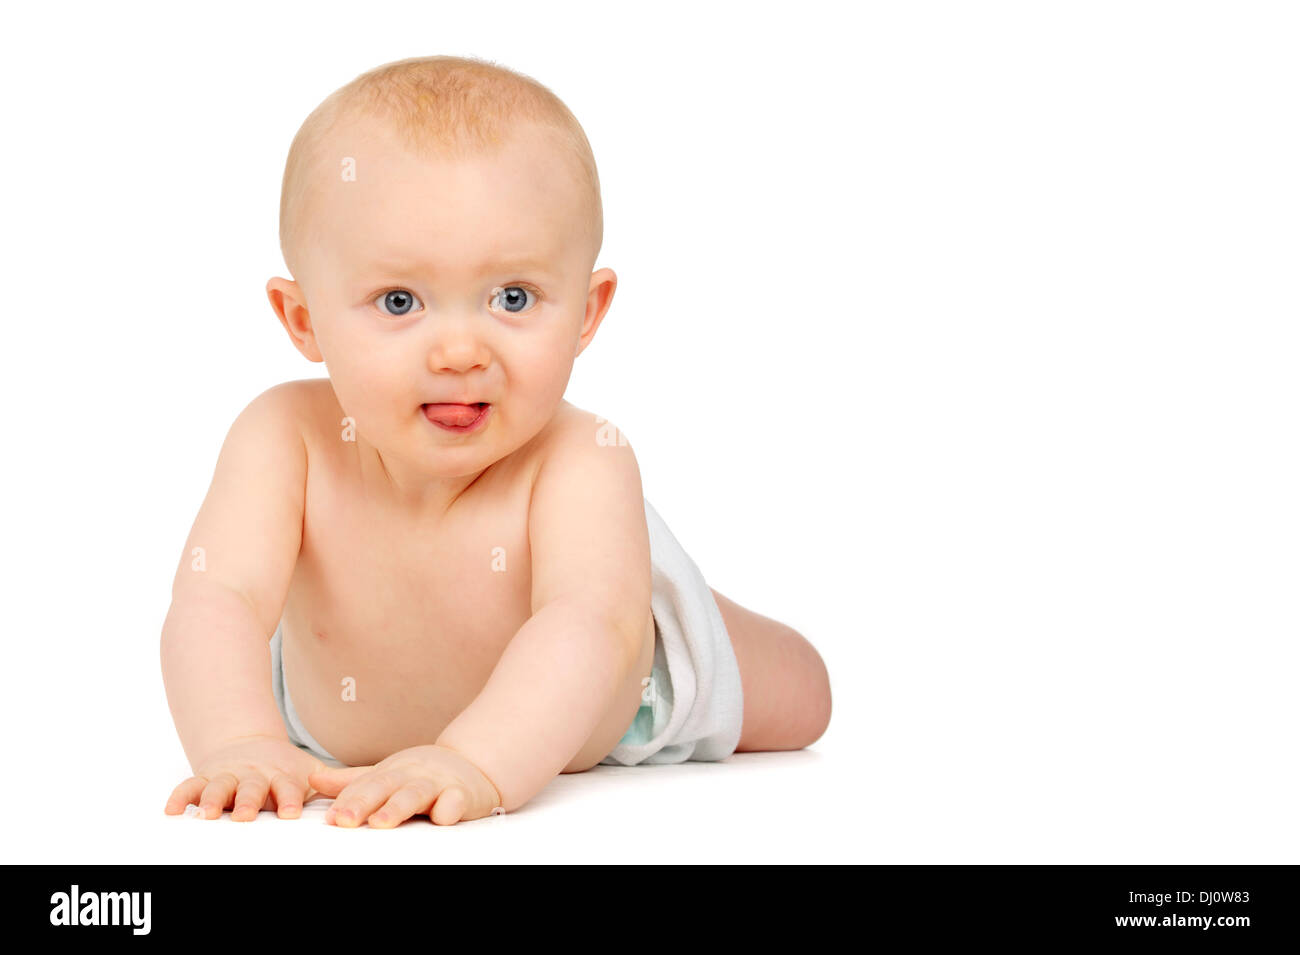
column 455, row 415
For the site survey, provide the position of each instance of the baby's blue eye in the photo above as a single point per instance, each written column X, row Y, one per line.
column 513, row 297
column 399, row 300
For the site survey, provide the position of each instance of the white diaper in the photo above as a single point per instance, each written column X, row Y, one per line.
column 298, row 734
column 693, row 707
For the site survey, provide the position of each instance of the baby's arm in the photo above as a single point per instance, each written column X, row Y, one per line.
column 227, row 597
column 590, row 593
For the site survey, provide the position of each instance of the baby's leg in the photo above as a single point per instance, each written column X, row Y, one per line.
column 786, row 688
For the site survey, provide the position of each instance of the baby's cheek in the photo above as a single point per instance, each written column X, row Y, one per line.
column 549, row 375
column 545, row 389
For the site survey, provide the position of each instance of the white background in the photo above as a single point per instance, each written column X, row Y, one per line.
column 961, row 337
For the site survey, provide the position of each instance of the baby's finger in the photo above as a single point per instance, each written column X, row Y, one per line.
column 361, row 798
column 331, row 781
column 216, row 795
column 288, row 796
column 451, row 807
column 414, row 797
column 184, row 794
column 249, row 798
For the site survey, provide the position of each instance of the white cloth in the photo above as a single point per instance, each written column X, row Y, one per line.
column 298, row 734
column 694, row 704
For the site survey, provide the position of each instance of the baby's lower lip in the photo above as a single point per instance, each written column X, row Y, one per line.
column 457, row 418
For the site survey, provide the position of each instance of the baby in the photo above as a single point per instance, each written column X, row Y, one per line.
column 448, row 572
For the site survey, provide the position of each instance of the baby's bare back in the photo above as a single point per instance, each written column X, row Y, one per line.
column 391, row 627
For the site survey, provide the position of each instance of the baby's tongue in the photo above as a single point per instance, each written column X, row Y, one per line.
column 454, row 416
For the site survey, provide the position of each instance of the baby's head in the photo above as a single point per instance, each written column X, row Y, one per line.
column 440, row 217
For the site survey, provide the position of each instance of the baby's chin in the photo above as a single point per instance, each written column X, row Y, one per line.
column 440, row 462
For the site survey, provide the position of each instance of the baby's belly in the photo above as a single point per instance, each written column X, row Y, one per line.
column 366, row 697
column 366, row 693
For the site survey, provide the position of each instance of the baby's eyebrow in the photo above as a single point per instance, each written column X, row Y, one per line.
column 403, row 267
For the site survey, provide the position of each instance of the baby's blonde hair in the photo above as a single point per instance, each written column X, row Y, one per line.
column 440, row 106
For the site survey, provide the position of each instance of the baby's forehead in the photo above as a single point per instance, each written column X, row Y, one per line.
column 371, row 185
column 402, row 237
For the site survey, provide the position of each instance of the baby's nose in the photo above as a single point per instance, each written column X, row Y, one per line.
column 456, row 347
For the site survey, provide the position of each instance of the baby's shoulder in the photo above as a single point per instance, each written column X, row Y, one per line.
column 308, row 403
column 579, row 447
column 575, row 430
column 303, row 413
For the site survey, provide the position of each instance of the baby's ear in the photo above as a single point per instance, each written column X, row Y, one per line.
column 290, row 307
column 600, row 293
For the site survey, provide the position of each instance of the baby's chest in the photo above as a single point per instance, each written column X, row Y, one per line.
column 364, row 580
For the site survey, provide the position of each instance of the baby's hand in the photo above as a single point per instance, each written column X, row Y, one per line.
column 423, row 779
column 254, row 771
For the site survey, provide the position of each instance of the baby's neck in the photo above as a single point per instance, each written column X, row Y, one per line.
column 421, row 496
